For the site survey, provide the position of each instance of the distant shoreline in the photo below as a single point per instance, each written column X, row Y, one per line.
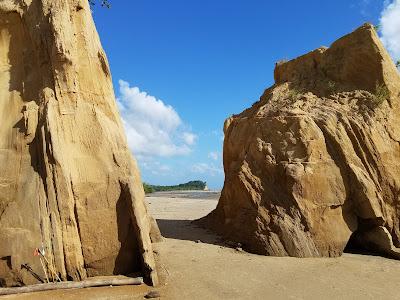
column 189, row 194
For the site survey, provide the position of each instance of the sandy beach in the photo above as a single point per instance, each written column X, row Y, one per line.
column 197, row 264
column 210, row 270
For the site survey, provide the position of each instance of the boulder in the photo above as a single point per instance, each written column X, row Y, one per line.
column 68, row 183
column 316, row 160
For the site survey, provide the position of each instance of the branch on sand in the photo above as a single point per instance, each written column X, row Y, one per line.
column 71, row 285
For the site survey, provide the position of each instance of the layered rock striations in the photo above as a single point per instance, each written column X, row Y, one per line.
column 316, row 161
column 68, row 183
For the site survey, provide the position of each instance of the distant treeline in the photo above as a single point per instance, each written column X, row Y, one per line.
column 191, row 185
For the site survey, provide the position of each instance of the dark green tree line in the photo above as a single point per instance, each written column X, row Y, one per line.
column 191, row 185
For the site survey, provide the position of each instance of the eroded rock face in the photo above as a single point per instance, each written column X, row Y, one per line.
column 318, row 157
column 68, row 182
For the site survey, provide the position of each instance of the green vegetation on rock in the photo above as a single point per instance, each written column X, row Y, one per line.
column 104, row 3
column 295, row 94
column 377, row 27
column 381, row 94
column 191, row 185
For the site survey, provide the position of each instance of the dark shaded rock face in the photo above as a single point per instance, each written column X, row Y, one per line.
column 317, row 159
column 68, row 183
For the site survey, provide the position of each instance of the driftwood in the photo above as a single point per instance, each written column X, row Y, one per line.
column 71, row 285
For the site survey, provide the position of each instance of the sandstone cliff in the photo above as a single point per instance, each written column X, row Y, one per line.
column 317, row 160
column 68, row 183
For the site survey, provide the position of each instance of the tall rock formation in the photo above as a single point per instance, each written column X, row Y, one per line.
column 317, row 160
column 68, row 183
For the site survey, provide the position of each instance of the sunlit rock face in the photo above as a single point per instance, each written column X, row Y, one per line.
column 317, row 159
column 68, row 183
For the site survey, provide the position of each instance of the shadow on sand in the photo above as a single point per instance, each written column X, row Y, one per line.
column 187, row 230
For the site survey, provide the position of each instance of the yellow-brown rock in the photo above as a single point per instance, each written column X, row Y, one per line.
column 68, row 183
column 317, row 159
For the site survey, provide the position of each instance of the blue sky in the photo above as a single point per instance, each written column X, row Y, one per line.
column 180, row 68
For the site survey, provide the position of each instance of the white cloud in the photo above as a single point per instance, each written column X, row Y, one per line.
column 189, row 138
column 203, row 168
column 390, row 27
column 213, row 155
column 152, row 127
column 155, row 167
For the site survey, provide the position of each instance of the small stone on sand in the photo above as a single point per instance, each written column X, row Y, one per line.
column 152, row 295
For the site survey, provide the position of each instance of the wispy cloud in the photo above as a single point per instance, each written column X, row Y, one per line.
column 214, row 155
column 153, row 128
column 155, row 167
column 218, row 134
column 205, row 168
column 189, row 138
column 390, row 27
column 364, row 7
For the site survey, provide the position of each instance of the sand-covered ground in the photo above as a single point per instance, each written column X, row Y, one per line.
column 208, row 270
column 211, row 270
column 98, row 293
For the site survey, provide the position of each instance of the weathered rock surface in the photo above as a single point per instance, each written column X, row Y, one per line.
column 317, row 159
column 68, row 182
